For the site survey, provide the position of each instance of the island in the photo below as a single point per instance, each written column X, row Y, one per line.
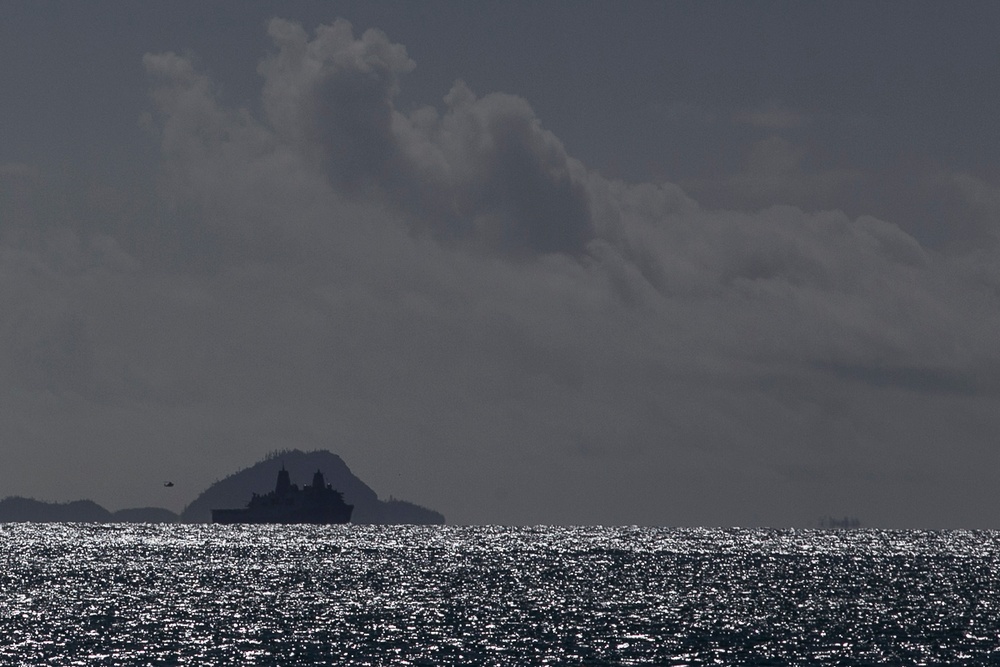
column 232, row 492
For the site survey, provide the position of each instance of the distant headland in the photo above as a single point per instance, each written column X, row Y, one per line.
column 233, row 491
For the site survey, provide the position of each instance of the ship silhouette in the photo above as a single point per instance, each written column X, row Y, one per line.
column 317, row 503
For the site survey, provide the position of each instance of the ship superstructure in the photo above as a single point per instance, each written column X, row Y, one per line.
column 317, row 503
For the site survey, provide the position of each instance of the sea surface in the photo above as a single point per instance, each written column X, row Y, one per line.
column 133, row 594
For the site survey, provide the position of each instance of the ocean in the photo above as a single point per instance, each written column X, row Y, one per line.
column 167, row 594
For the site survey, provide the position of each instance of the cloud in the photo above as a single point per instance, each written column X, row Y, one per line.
column 332, row 97
column 501, row 181
column 777, row 170
column 979, row 196
column 485, row 174
column 476, row 321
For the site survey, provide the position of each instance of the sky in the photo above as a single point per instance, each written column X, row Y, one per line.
column 722, row 264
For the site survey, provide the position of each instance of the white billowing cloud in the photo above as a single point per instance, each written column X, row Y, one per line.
column 332, row 96
column 483, row 173
column 498, row 178
column 477, row 322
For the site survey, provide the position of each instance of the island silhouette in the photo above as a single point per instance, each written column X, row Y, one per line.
column 234, row 491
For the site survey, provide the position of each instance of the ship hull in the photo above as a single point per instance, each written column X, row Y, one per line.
column 318, row 516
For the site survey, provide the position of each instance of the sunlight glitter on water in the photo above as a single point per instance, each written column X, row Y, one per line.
column 293, row 595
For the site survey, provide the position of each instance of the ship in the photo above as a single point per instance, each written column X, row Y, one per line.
column 317, row 503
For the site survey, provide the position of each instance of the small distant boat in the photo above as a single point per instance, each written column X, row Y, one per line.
column 168, row 484
column 317, row 503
